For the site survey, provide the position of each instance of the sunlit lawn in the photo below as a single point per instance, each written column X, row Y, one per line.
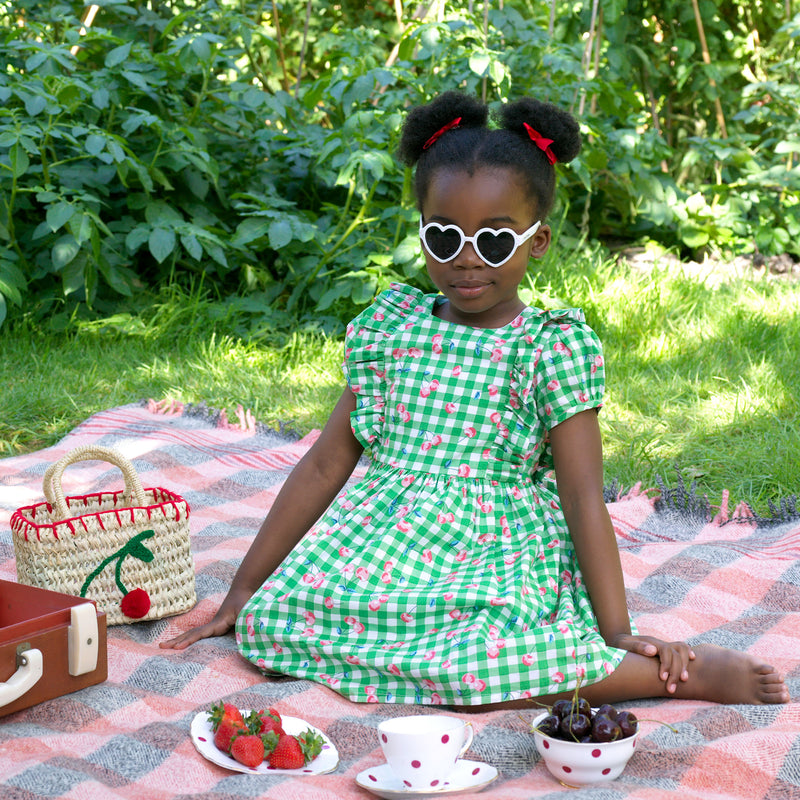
column 702, row 377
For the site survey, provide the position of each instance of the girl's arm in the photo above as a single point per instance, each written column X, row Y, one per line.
column 578, row 460
column 311, row 487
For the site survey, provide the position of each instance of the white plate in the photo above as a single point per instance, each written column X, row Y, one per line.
column 467, row 776
column 203, row 739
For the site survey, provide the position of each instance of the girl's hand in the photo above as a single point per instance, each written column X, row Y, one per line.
column 220, row 624
column 314, row 483
column 674, row 657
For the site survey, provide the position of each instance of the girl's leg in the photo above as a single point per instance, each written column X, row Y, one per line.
column 717, row 675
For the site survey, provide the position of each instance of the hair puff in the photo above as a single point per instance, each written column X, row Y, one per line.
column 475, row 145
column 424, row 121
column 549, row 120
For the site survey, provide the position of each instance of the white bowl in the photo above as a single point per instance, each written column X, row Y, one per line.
column 576, row 764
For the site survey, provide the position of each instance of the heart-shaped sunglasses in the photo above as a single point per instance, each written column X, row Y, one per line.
column 494, row 246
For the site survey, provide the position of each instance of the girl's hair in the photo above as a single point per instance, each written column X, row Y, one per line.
column 472, row 144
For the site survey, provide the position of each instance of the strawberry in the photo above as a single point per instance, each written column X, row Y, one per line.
column 226, row 721
column 311, row 744
column 275, row 714
column 225, row 733
column 264, row 721
column 287, row 753
column 248, row 749
column 293, row 752
column 220, row 711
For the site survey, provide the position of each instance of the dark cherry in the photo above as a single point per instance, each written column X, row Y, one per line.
column 604, row 729
column 628, row 723
column 608, row 710
column 583, row 706
column 575, row 726
column 561, row 708
column 549, row 725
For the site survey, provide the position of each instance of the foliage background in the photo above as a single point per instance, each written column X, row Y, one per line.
column 245, row 148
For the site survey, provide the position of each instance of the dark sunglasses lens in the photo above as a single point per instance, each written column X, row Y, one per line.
column 495, row 247
column 443, row 244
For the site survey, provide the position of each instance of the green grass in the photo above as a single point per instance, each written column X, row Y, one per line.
column 702, row 378
column 54, row 381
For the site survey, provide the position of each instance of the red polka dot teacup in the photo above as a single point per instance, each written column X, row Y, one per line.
column 422, row 750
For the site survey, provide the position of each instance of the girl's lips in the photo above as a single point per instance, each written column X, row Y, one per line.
column 469, row 289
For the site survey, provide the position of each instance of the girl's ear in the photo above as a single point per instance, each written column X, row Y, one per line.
column 540, row 241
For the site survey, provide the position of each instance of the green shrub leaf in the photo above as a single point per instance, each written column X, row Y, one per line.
column 192, row 246
column 101, row 98
column 64, row 251
column 280, row 234
column 59, row 214
column 35, row 104
column 161, row 243
column 19, row 161
column 250, row 229
column 118, row 55
column 95, row 144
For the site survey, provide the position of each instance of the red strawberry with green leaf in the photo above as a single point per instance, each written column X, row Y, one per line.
column 221, row 711
column 311, row 743
column 293, row 752
column 264, row 722
column 248, row 749
column 226, row 732
column 287, row 753
column 226, row 722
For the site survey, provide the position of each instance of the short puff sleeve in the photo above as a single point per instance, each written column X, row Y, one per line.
column 569, row 373
column 364, row 353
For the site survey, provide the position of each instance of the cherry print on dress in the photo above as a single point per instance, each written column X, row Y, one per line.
column 395, row 366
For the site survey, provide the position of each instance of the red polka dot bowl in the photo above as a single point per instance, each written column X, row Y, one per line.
column 577, row 764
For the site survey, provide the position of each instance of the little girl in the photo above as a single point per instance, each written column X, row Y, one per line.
column 475, row 564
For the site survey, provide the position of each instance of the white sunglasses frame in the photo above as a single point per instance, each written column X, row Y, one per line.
column 519, row 239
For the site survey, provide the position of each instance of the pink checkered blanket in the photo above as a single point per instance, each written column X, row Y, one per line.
column 692, row 571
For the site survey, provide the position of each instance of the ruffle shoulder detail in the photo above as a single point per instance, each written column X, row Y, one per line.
column 364, row 367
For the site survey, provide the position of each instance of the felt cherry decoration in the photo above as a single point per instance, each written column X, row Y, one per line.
column 135, row 604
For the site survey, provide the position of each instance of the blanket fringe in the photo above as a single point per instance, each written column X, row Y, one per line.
column 687, row 501
column 615, row 493
column 678, row 498
column 218, row 418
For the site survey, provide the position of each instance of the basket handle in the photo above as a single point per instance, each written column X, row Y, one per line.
column 54, row 473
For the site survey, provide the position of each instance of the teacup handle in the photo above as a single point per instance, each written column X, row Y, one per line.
column 469, row 733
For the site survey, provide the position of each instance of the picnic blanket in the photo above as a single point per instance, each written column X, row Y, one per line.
column 693, row 571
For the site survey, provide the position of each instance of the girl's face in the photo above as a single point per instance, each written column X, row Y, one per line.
column 480, row 295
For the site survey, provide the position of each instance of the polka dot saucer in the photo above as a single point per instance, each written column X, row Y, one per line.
column 467, row 776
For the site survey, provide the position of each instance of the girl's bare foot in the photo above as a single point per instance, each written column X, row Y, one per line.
column 716, row 674
column 727, row 676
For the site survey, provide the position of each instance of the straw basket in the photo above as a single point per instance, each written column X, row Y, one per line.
column 127, row 550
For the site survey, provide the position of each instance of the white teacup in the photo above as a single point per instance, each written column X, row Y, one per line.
column 423, row 750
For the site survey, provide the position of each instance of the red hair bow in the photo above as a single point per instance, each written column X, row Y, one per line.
column 542, row 143
column 450, row 125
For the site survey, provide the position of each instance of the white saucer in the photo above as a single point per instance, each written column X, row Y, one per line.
column 203, row 739
column 467, row 776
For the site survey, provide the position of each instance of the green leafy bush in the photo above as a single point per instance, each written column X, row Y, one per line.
column 246, row 154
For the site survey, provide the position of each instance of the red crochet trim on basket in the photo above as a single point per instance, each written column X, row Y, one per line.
column 22, row 520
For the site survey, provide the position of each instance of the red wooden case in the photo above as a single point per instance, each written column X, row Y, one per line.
column 51, row 644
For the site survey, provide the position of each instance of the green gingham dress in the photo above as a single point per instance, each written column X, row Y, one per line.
column 447, row 574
